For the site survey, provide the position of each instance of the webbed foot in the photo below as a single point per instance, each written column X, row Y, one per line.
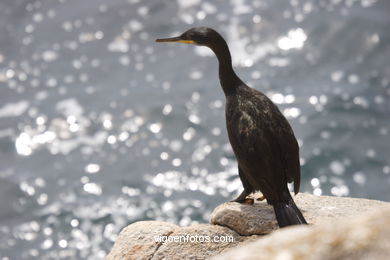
column 242, row 198
column 261, row 198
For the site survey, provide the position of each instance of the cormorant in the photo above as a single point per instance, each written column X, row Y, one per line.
column 261, row 137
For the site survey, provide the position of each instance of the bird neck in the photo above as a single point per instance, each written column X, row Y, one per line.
column 227, row 77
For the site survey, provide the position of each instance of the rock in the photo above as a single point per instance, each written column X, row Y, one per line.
column 260, row 219
column 245, row 219
column 198, row 249
column 362, row 237
column 136, row 241
column 245, row 223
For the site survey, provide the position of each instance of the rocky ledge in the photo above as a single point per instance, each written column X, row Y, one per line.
column 340, row 228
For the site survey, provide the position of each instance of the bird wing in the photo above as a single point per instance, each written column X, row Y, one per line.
column 289, row 150
column 263, row 140
column 280, row 135
column 289, row 145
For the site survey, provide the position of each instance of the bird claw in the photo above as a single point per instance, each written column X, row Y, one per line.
column 248, row 201
column 260, row 198
column 241, row 198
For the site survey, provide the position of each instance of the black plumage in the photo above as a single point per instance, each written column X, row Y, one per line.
column 261, row 137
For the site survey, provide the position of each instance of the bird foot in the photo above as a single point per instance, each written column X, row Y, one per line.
column 249, row 201
column 241, row 198
column 261, row 198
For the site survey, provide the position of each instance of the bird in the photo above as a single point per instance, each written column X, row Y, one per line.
column 262, row 140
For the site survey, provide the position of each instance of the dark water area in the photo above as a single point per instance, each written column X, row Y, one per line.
column 101, row 127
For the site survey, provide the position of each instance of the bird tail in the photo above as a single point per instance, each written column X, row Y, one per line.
column 287, row 214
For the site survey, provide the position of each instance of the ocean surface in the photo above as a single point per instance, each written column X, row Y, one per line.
column 101, row 127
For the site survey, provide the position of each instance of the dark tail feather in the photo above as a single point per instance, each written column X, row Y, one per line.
column 287, row 214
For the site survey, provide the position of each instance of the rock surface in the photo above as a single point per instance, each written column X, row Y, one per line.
column 238, row 222
column 199, row 250
column 365, row 237
column 138, row 241
column 260, row 219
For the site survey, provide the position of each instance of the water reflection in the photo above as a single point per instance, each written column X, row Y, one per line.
column 295, row 39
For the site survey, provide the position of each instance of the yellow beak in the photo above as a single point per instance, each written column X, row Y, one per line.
column 175, row 39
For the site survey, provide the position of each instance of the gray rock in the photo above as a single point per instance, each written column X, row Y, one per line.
column 136, row 241
column 198, row 249
column 336, row 224
column 245, row 219
column 260, row 219
column 360, row 238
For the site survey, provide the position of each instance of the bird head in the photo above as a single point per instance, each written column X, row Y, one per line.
column 202, row 36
